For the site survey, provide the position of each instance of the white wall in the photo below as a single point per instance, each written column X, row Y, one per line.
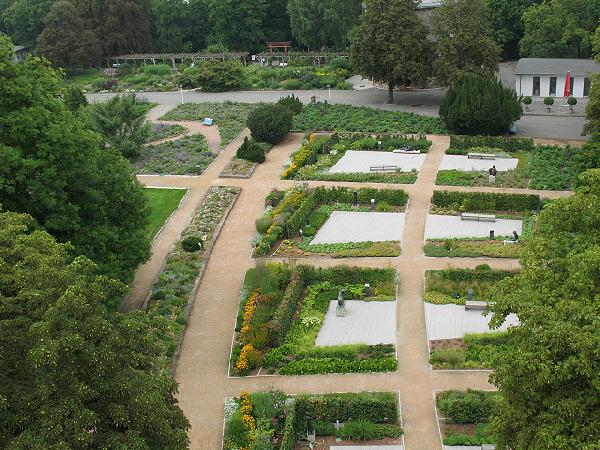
column 524, row 85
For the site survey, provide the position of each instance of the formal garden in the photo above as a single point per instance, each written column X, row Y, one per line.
column 520, row 163
column 385, row 158
column 174, row 290
column 336, row 222
column 464, row 417
column 275, row 421
column 302, row 320
column 162, row 203
column 345, row 118
column 161, row 131
column 473, row 224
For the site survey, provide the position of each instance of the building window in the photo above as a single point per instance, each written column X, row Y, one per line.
column 586, row 87
column 552, row 91
column 536, row 86
column 572, row 86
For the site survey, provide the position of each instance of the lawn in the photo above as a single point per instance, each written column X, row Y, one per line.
column 162, row 204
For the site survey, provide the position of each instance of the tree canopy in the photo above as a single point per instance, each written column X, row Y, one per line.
column 390, row 44
column 505, row 19
column 549, row 374
column 54, row 169
column 24, row 20
column 238, row 23
column 323, row 23
column 464, row 42
column 75, row 375
column 180, row 26
column 592, row 109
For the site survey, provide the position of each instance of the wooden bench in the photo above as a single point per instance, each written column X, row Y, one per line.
column 475, row 304
column 383, row 168
column 490, row 156
column 478, row 217
column 407, row 151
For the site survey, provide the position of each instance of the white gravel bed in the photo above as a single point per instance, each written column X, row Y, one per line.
column 464, row 164
column 355, row 226
column 441, row 226
column 368, row 323
column 361, row 161
column 454, row 321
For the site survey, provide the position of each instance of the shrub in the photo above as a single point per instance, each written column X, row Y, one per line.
column 324, row 428
column 364, row 430
column 270, row 123
column 571, row 101
column 480, row 105
column 292, row 103
column 383, row 207
column 548, row 101
column 216, row 48
column 215, row 76
column 466, row 407
column 485, row 201
column 236, row 432
column 252, row 151
column 191, row 243
column 158, row 70
column 281, row 321
column 508, row 144
column 74, row 98
column 274, row 197
column 380, row 407
column 527, row 100
column 340, row 63
column 263, row 224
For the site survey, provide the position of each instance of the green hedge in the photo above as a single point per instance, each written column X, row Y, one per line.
column 459, row 275
column 467, row 407
column 314, row 366
column 288, row 438
column 298, row 219
column 378, row 407
column 509, row 144
column 347, row 275
column 281, row 322
column 396, row 197
column 485, row 201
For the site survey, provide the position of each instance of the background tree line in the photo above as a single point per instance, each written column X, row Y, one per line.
column 80, row 32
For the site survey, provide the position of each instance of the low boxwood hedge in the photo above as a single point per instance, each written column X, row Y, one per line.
column 486, row 201
column 508, row 144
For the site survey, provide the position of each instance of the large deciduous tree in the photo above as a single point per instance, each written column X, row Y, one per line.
column 323, row 23
column 560, row 29
column 124, row 26
column 549, row 376
column 592, row 109
column 75, row 375
column 276, row 24
column 464, row 43
column 65, row 40
column 54, row 169
column 180, row 25
column 24, row 20
column 238, row 24
column 505, row 18
column 390, row 44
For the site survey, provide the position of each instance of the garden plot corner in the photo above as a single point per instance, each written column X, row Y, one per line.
column 445, row 226
column 351, row 226
column 362, row 161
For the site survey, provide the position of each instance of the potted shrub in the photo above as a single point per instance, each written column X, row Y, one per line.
column 571, row 101
column 527, row 101
column 548, row 101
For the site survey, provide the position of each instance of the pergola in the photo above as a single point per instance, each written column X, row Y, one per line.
column 175, row 57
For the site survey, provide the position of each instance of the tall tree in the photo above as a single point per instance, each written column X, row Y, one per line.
column 390, row 44
column 592, row 109
column 560, row 29
column 323, row 23
column 180, row 25
column 75, row 375
column 54, row 169
column 549, row 375
column 277, row 21
column 24, row 20
column 464, row 43
column 123, row 26
column 505, row 19
column 238, row 23
column 65, row 40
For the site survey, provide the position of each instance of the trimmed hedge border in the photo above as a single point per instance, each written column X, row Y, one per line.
column 486, row 201
column 508, row 144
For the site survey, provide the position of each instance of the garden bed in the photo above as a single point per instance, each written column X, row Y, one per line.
column 539, row 167
column 230, row 117
column 279, row 422
column 327, row 117
column 283, row 310
column 464, row 417
column 174, row 291
column 294, row 217
column 238, row 168
column 350, row 157
column 186, row 156
column 162, row 131
column 473, row 351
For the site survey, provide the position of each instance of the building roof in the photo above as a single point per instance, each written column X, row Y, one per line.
column 556, row 66
column 427, row 4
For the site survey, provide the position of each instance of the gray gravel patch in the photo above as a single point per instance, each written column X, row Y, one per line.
column 464, row 164
column 454, row 321
column 441, row 226
column 355, row 161
column 355, row 226
column 368, row 323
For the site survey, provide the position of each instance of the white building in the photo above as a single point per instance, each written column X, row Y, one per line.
column 545, row 77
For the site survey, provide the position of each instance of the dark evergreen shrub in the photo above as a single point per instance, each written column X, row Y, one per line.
column 191, row 243
column 270, row 123
column 291, row 102
column 251, row 151
column 480, row 105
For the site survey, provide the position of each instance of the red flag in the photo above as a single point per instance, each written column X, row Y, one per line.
column 568, row 85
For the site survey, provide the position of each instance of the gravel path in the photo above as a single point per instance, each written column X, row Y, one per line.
column 440, row 226
column 354, row 226
column 203, row 364
column 361, row 161
column 464, row 164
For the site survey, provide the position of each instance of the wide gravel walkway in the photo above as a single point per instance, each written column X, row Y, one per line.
column 203, row 364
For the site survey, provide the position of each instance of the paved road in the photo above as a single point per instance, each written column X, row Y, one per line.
column 425, row 101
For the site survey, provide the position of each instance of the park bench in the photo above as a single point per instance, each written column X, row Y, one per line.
column 490, row 156
column 383, row 168
column 207, row 121
column 510, row 241
column 478, row 217
column 476, row 304
column 407, row 151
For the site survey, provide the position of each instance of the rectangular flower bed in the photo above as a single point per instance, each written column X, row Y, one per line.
column 293, row 218
column 473, row 351
column 173, row 293
column 279, row 422
column 283, row 309
column 321, row 158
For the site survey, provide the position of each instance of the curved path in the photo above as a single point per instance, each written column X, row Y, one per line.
column 202, row 369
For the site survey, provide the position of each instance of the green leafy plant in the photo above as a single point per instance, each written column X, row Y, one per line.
column 251, row 150
column 292, row 103
column 269, row 123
